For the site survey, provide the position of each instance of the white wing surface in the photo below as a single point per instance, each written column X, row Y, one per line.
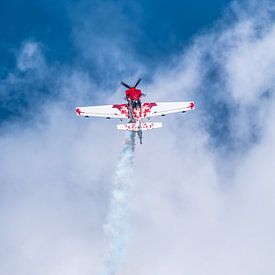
column 107, row 111
column 165, row 108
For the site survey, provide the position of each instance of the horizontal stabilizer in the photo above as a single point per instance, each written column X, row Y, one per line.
column 136, row 127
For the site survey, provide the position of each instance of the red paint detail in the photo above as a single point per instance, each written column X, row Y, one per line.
column 192, row 105
column 123, row 108
column 146, row 108
column 133, row 94
column 137, row 113
column 78, row 111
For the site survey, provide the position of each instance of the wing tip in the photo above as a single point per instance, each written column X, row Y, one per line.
column 78, row 111
column 191, row 105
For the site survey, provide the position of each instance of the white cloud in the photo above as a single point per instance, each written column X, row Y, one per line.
column 30, row 57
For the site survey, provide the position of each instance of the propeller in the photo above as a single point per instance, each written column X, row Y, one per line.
column 137, row 82
column 124, row 84
column 127, row 86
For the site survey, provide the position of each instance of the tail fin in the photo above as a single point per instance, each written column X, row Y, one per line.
column 143, row 126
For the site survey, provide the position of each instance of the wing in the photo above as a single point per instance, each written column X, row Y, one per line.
column 165, row 108
column 107, row 111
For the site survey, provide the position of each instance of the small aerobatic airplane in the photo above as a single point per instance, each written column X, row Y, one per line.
column 136, row 111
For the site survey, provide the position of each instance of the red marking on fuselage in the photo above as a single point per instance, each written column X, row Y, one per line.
column 138, row 113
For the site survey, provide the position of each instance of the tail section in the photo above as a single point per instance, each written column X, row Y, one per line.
column 143, row 126
column 139, row 127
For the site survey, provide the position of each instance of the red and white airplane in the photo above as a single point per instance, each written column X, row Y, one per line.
column 136, row 111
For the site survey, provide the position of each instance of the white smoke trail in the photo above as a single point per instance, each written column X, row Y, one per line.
column 116, row 227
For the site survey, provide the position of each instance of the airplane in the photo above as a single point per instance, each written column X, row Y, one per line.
column 135, row 111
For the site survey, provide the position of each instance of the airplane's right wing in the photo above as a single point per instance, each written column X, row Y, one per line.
column 165, row 108
column 108, row 111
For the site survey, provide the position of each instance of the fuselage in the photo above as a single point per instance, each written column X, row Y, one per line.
column 133, row 96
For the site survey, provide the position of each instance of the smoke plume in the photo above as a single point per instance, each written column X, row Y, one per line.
column 117, row 226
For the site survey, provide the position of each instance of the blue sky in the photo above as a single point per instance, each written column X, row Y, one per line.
column 160, row 22
column 161, row 28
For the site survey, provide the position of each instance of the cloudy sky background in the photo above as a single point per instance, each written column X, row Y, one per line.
column 203, row 192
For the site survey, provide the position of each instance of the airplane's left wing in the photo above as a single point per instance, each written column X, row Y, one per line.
column 107, row 111
column 165, row 108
